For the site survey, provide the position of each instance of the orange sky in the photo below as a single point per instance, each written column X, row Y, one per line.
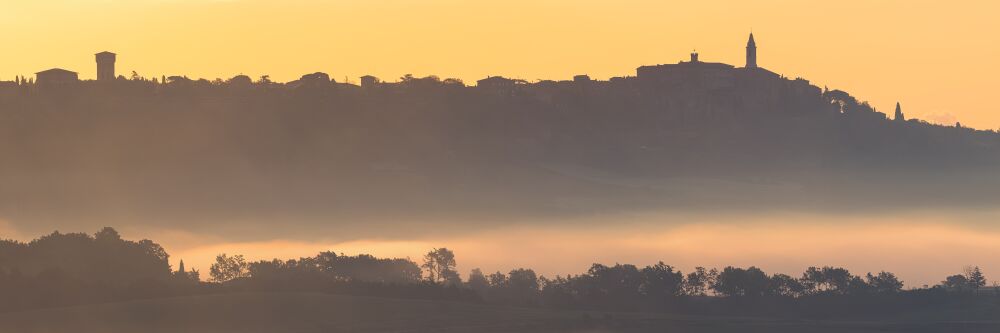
column 939, row 60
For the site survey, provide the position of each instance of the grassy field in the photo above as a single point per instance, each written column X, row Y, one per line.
column 309, row 313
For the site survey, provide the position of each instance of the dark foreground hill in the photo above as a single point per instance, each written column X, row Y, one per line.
column 306, row 313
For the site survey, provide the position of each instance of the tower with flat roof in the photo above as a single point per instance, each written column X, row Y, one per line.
column 105, row 66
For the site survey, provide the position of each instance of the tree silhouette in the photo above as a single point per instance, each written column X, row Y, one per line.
column 227, row 268
column 699, row 281
column 975, row 277
column 661, row 281
column 784, row 285
column 522, row 286
column 827, row 280
column 498, row 280
column 884, row 283
column 440, row 266
column 187, row 276
column 733, row 281
column 477, row 281
column 956, row 282
column 108, row 235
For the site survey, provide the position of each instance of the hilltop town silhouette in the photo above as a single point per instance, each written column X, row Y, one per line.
column 685, row 135
column 710, row 90
column 724, row 88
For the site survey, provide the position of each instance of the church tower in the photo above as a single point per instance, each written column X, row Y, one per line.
column 751, row 53
column 899, row 113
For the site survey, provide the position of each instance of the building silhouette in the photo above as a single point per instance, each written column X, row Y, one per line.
column 693, row 73
column 368, row 82
column 105, row 66
column 699, row 89
column 56, row 77
column 751, row 53
column 495, row 82
column 318, row 79
column 498, row 85
column 315, row 78
column 899, row 116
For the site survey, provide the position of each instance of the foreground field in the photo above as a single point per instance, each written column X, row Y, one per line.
column 308, row 313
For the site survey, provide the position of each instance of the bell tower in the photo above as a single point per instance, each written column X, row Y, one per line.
column 751, row 53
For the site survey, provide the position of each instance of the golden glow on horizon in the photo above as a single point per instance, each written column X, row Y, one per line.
column 920, row 253
column 920, row 247
column 939, row 60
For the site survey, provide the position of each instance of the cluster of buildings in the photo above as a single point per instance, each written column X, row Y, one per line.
column 707, row 74
column 720, row 89
column 712, row 75
column 58, row 76
column 106, row 72
column 700, row 88
column 705, row 88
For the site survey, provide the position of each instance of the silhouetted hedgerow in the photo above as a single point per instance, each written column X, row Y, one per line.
column 66, row 269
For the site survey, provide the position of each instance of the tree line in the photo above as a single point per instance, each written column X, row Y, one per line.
column 625, row 286
column 75, row 268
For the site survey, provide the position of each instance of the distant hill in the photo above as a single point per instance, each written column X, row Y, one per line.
column 692, row 135
column 307, row 313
